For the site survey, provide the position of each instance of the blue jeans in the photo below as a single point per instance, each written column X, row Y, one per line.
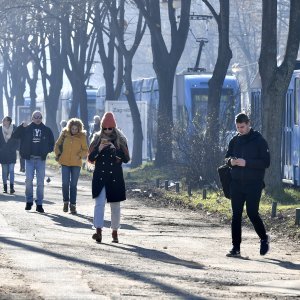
column 8, row 169
column 70, row 177
column 35, row 165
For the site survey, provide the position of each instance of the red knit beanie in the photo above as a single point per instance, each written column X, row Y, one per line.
column 108, row 120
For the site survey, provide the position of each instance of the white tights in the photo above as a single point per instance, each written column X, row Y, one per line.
column 99, row 209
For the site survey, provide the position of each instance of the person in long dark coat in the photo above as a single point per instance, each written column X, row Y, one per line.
column 8, row 154
column 95, row 127
column 108, row 151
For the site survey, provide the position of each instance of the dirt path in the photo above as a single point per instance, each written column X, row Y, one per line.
column 163, row 254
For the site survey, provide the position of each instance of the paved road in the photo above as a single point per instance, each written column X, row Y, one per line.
column 164, row 253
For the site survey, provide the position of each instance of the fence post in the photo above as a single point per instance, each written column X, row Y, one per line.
column 297, row 219
column 204, row 192
column 177, row 188
column 189, row 190
column 166, row 185
column 274, row 208
column 157, row 182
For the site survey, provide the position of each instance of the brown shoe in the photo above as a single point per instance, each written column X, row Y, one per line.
column 98, row 235
column 115, row 236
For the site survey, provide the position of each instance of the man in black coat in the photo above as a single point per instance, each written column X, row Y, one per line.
column 248, row 156
column 37, row 141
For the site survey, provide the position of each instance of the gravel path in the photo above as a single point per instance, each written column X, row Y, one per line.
column 164, row 253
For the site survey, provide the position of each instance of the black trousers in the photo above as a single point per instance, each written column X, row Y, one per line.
column 249, row 192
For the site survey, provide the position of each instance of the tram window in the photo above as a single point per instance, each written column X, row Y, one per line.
column 296, row 101
column 199, row 105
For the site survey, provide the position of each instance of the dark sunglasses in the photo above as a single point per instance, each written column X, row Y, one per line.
column 107, row 128
column 38, row 118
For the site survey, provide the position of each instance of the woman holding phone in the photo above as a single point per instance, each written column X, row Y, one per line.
column 108, row 150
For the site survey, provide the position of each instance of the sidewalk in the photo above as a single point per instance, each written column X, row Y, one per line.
column 163, row 253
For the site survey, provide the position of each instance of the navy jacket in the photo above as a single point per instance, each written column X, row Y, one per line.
column 8, row 149
column 25, row 135
column 108, row 172
column 254, row 149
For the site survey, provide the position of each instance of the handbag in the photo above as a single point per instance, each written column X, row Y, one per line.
column 61, row 147
column 225, row 179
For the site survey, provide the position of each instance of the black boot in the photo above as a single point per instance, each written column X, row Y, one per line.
column 39, row 208
column 115, row 236
column 98, row 235
column 12, row 190
column 5, row 188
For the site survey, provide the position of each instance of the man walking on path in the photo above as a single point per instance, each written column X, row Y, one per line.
column 37, row 141
column 248, row 156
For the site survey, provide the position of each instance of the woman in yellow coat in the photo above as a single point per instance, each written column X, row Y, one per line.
column 70, row 148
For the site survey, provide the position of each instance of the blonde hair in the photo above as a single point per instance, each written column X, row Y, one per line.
column 75, row 122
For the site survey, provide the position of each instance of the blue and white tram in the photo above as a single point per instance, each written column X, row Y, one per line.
column 290, row 147
column 192, row 99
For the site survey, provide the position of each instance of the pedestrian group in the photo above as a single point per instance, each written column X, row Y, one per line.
column 247, row 156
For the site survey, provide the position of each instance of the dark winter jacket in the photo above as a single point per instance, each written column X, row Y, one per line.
column 254, row 149
column 108, row 172
column 25, row 134
column 8, row 154
column 95, row 128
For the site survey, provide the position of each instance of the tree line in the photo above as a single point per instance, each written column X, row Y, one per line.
column 45, row 39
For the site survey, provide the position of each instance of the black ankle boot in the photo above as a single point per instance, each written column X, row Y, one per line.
column 98, row 235
column 5, row 188
column 12, row 190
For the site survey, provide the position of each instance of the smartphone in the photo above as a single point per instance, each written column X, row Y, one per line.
column 104, row 141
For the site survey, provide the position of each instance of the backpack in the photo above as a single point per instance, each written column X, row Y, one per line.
column 225, row 179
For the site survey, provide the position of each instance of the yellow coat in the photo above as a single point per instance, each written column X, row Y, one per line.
column 74, row 148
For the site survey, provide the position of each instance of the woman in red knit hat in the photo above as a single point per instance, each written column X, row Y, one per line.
column 108, row 150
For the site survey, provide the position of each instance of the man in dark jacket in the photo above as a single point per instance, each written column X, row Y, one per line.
column 248, row 156
column 95, row 127
column 37, row 141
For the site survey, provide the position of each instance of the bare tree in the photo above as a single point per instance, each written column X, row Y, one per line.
column 45, row 50
column 211, row 152
column 106, row 42
column 118, row 22
column 15, row 60
column 245, row 36
column 165, row 61
column 275, row 80
column 79, row 44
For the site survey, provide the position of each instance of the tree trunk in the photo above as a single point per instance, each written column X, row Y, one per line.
column 1, row 96
column 275, row 80
column 79, row 100
column 272, row 131
column 137, row 151
column 165, row 117
column 165, row 61
column 212, row 143
column 108, row 74
column 52, row 104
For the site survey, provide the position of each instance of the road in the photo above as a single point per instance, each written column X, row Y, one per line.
column 164, row 253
